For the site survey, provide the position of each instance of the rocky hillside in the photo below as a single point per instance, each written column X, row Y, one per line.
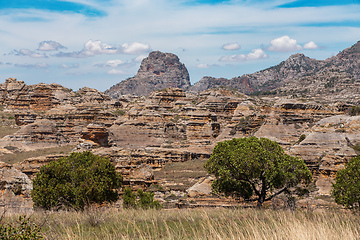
column 161, row 141
column 157, row 71
column 336, row 77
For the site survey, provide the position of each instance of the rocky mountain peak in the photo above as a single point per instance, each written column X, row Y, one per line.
column 299, row 60
column 352, row 52
column 158, row 71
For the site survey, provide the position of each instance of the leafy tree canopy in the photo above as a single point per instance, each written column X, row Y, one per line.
column 247, row 167
column 346, row 189
column 75, row 181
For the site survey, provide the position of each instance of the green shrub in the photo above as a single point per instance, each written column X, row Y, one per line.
column 22, row 229
column 119, row 112
column 301, row 138
column 354, row 110
column 142, row 199
column 76, row 181
column 146, row 200
column 346, row 189
column 129, row 198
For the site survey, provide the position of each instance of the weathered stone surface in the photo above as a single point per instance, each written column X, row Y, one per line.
column 157, row 71
column 15, row 188
column 96, row 133
column 31, row 166
column 201, row 188
column 326, row 148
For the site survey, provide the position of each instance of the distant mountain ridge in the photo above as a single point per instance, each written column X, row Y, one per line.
column 298, row 75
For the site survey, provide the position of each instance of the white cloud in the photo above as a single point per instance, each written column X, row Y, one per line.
column 231, row 46
column 91, row 48
column 311, row 45
column 115, row 72
column 111, row 63
column 203, row 65
column 33, row 66
column 139, row 58
column 233, row 58
column 254, row 55
column 69, row 66
column 135, row 48
column 97, row 48
column 50, row 46
column 284, row 44
column 29, row 53
column 114, row 63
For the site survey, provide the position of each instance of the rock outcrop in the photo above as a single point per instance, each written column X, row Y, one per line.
column 328, row 146
column 157, row 71
column 15, row 188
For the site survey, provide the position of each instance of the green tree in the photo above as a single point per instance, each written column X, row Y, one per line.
column 255, row 169
column 76, row 181
column 346, row 189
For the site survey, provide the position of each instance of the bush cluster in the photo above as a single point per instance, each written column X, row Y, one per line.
column 76, row 181
column 354, row 111
column 141, row 199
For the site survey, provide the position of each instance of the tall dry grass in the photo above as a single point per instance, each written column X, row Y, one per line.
column 199, row 224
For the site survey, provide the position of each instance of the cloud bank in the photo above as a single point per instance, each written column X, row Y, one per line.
column 254, row 55
column 231, row 46
column 50, row 46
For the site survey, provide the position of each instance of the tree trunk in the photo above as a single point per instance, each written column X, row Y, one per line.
column 262, row 195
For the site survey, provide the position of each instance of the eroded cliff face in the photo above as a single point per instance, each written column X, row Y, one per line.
column 143, row 135
column 328, row 146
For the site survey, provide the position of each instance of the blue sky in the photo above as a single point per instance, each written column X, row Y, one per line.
column 98, row 43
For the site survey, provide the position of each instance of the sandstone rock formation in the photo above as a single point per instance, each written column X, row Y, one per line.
column 328, row 147
column 157, row 71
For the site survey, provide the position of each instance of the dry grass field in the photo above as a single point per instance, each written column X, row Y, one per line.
column 199, row 224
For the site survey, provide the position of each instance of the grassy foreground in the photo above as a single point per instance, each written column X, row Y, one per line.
column 198, row 224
